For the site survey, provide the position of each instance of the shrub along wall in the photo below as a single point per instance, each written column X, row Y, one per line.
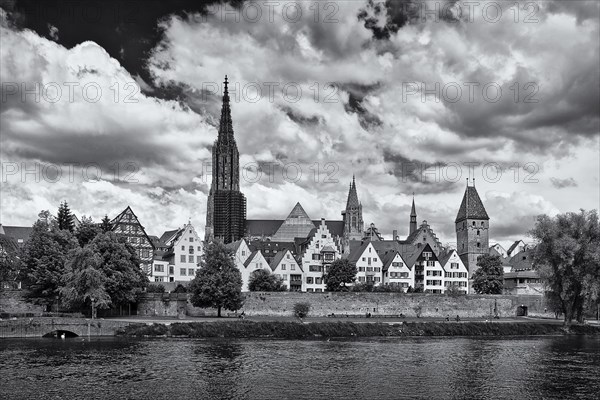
column 324, row 304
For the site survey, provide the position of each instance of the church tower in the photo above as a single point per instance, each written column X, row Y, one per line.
column 472, row 229
column 413, row 218
column 226, row 211
column 352, row 215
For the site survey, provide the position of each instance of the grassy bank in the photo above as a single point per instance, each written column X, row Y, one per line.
column 297, row 330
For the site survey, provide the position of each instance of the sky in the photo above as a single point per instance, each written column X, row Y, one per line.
column 117, row 104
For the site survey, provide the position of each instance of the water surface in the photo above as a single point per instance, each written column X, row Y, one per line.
column 412, row 368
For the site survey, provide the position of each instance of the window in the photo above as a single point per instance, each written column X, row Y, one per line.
column 361, row 269
column 243, row 253
column 159, row 268
column 171, row 270
column 377, row 269
column 369, row 261
column 477, row 232
column 145, row 253
column 316, row 256
column 183, row 248
column 453, row 265
column 158, row 279
column 323, row 236
column 424, row 238
column 448, row 275
column 134, row 240
column 182, row 271
column 315, row 268
column 287, row 256
column 191, row 272
column 481, row 223
column 361, row 278
column 199, row 248
column 369, row 249
column 309, row 280
column 182, row 259
column 374, row 260
column 478, row 244
column 473, row 223
column 293, row 267
column 283, row 267
column 191, row 259
column 430, row 263
column 318, row 281
column 285, row 277
column 364, row 259
column 191, row 250
column 191, row 239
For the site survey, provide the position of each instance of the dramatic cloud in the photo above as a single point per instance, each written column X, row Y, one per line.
column 405, row 98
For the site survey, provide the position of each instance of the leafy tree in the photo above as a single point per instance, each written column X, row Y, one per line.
column 10, row 261
column 418, row 289
column 65, row 218
column 44, row 259
column 454, row 290
column 218, row 283
column 262, row 280
column 180, row 289
column 86, row 231
column 567, row 259
column 341, row 272
column 84, row 282
column 105, row 225
column 120, row 264
column 489, row 278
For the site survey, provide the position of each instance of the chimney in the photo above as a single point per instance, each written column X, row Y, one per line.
column 395, row 234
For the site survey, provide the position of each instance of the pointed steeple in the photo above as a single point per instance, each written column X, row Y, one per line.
column 412, row 226
column 471, row 206
column 226, row 124
column 352, row 195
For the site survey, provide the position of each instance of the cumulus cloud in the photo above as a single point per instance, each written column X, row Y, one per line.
column 377, row 95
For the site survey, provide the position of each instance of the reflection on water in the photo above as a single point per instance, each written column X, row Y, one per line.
column 419, row 368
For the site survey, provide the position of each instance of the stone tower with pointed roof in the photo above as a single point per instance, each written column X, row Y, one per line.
column 226, row 209
column 413, row 218
column 472, row 229
column 352, row 215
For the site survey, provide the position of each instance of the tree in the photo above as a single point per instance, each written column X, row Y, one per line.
column 105, row 225
column 84, row 282
column 262, row 280
column 120, row 264
column 489, row 278
column 65, row 218
column 10, row 261
column 86, row 231
column 341, row 272
column 44, row 259
column 567, row 258
column 218, row 283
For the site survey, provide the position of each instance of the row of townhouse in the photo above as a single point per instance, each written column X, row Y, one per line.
column 392, row 263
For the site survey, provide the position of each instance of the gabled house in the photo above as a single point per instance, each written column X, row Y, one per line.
column 522, row 277
column 182, row 250
column 368, row 264
column 498, row 250
column 517, row 247
column 396, row 272
column 241, row 251
column 285, row 266
column 455, row 272
column 319, row 250
column 254, row 262
column 429, row 273
column 127, row 225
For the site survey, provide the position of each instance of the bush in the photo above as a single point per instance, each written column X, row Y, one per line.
column 301, row 309
column 180, row 289
column 155, row 288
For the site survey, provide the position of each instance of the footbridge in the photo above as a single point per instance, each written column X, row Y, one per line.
column 56, row 327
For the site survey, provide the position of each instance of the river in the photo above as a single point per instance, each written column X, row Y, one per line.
column 412, row 368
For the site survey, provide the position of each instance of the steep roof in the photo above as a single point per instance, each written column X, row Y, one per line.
column 18, row 232
column 336, row 228
column 249, row 259
column 513, row 246
column 116, row 220
column 388, row 258
column 444, row 257
column 297, row 224
column 471, row 206
column 277, row 259
column 167, row 235
column 358, row 251
column 263, row 227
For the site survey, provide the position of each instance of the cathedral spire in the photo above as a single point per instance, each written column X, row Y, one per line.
column 352, row 195
column 226, row 124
